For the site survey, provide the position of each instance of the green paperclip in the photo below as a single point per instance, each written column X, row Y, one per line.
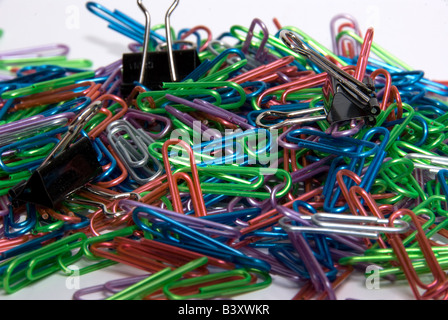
column 397, row 129
column 124, row 232
column 49, row 226
column 191, row 88
column 47, row 85
column 17, row 276
column 242, row 187
column 225, row 289
column 60, row 61
column 223, row 74
column 11, row 180
column 397, row 171
column 157, row 281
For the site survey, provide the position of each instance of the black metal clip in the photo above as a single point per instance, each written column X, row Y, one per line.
column 66, row 169
column 152, row 68
column 345, row 97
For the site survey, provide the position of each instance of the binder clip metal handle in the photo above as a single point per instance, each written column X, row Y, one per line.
column 154, row 68
column 345, row 97
column 292, row 118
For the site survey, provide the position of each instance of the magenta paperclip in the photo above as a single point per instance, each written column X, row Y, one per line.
column 210, row 108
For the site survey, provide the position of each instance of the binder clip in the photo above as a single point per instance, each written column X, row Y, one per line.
column 67, row 168
column 345, row 97
column 153, row 68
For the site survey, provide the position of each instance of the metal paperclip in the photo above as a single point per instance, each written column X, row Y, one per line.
column 433, row 159
column 346, row 98
column 344, row 225
column 134, row 153
column 292, row 117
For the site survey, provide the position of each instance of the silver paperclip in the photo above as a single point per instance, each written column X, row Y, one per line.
column 433, row 160
column 134, row 152
column 94, row 203
column 348, row 225
column 113, row 196
column 292, row 118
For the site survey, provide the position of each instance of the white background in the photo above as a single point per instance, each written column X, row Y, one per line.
column 416, row 31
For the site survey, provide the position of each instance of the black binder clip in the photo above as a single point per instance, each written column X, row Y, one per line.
column 345, row 97
column 66, row 169
column 152, row 68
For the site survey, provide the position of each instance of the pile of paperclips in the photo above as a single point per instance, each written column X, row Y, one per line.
column 214, row 164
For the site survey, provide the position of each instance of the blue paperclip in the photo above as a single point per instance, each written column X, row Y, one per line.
column 196, row 34
column 192, row 238
column 426, row 84
column 331, row 195
column 441, row 177
column 207, row 64
column 122, row 23
column 230, row 217
column 14, row 229
column 75, row 105
column 41, row 74
column 104, row 157
column 31, row 244
column 341, row 146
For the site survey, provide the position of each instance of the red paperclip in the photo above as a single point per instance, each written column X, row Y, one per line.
column 438, row 287
column 54, row 96
column 193, row 182
column 95, row 132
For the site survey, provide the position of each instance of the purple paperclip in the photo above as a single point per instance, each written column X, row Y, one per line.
column 311, row 170
column 12, row 126
column 109, row 69
column 276, row 267
column 36, row 121
column 193, row 123
column 118, row 285
column 355, row 127
column 4, row 206
column 132, row 114
column 111, row 287
column 210, row 108
column 261, row 52
column 35, row 52
column 318, row 277
column 192, row 222
column 336, row 49
column 225, row 114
